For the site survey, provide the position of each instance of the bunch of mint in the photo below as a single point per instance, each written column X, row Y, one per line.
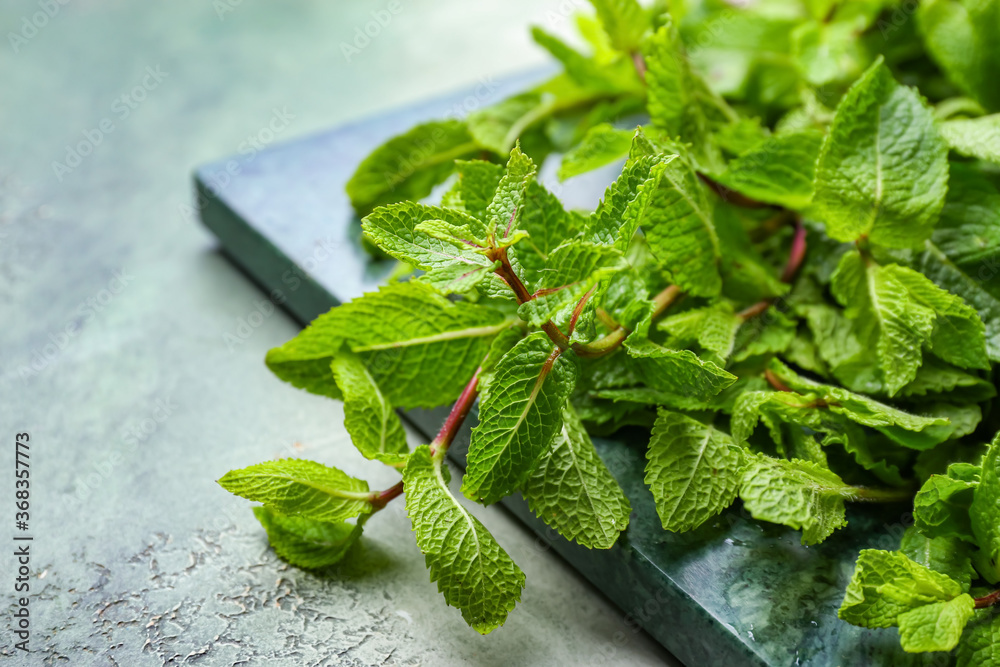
column 791, row 285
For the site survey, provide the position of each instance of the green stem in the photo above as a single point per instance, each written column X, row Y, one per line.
column 439, row 446
column 872, row 494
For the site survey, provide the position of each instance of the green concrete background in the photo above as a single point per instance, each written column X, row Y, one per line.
column 140, row 390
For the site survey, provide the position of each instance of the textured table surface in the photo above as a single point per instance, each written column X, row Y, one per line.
column 132, row 351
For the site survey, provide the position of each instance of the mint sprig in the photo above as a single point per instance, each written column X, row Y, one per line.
column 791, row 286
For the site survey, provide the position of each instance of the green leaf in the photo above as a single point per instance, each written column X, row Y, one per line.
column 610, row 224
column 409, row 165
column 624, row 21
column 947, row 555
column 692, row 469
column 935, row 627
column 573, row 492
column 886, row 584
column 518, row 418
column 548, row 226
column 497, row 127
column 509, row 195
column 603, row 144
column 974, row 137
column 985, row 513
column 779, row 171
column 969, row 230
column 461, row 236
column 797, row 494
column 676, row 218
column 588, row 72
column 883, row 169
column 394, row 229
column 963, row 37
column 679, row 101
column 904, row 312
column 937, row 267
column 474, row 187
column 712, row 327
column 981, row 644
column 304, row 361
column 299, row 487
column 307, row 543
column 373, row 424
column 420, row 348
column 909, row 430
column 936, row 378
column 472, row 571
column 961, row 256
column 679, row 372
column 573, row 268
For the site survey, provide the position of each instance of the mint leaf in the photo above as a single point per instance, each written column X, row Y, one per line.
column 497, row 127
column 935, row 627
column 472, row 571
column 680, row 103
column 981, row 644
column 962, row 37
column 307, row 543
column 797, row 494
column 474, row 187
column 974, row 137
column 883, row 169
column 985, row 513
column 676, row 218
column 601, row 145
column 907, row 429
column 419, row 347
column 778, row 171
column 679, row 372
column 519, row 415
column 394, row 229
column 947, row 555
column 573, row 492
column 941, row 507
column 509, row 195
column 903, row 312
column 304, row 361
column 692, row 469
column 712, row 327
column 886, row 584
column 969, row 230
column 299, row 487
column 624, row 21
column 610, row 77
column 373, row 424
column 573, row 268
column 409, row 165
column 547, row 225
column 609, row 224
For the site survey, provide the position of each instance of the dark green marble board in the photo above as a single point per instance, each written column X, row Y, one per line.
column 735, row 592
